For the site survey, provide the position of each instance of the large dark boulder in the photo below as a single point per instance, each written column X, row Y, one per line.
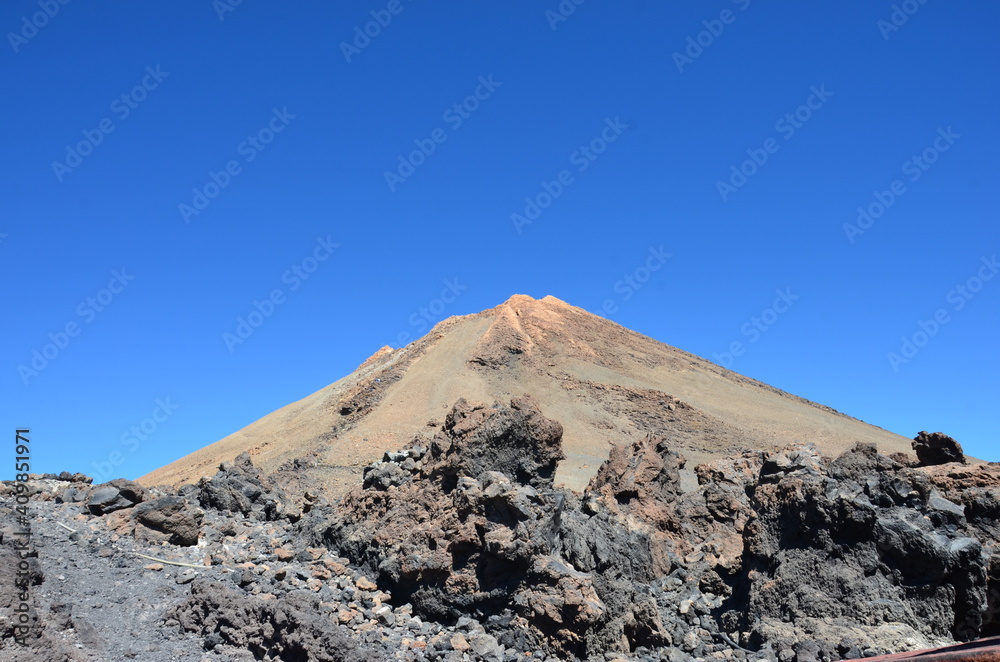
column 937, row 448
column 515, row 440
column 862, row 541
column 172, row 517
column 114, row 495
column 465, row 523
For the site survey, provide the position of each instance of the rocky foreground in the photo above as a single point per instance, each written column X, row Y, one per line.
column 458, row 547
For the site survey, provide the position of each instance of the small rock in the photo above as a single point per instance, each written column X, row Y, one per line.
column 384, row 615
column 460, row 643
column 186, row 577
column 365, row 584
column 486, row 646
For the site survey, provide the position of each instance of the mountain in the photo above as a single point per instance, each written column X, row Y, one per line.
column 605, row 384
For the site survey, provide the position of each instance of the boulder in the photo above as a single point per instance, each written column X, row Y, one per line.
column 515, row 440
column 172, row 518
column 114, row 495
column 937, row 448
column 863, row 541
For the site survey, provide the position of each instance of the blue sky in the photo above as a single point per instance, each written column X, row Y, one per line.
column 693, row 170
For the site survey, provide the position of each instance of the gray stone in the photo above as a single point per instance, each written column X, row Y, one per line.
column 173, row 517
column 114, row 495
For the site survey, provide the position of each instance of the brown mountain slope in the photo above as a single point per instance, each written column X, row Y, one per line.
column 605, row 384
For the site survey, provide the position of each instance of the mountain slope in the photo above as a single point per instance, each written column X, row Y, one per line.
column 607, row 385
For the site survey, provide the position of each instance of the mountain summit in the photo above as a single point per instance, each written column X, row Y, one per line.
column 605, row 384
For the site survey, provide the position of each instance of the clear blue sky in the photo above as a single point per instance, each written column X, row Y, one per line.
column 166, row 166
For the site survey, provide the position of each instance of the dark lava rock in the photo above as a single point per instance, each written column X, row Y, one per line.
column 937, row 448
column 293, row 627
column 785, row 554
column 862, row 541
column 466, row 526
column 114, row 495
column 172, row 517
column 239, row 487
column 782, row 555
column 517, row 441
column 383, row 475
column 72, row 495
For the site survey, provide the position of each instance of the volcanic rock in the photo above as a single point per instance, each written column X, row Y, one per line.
column 456, row 548
column 290, row 628
column 771, row 551
column 516, row 441
column 469, row 528
column 238, row 487
column 114, row 495
column 169, row 518
column 907, row 554
column 937, row 448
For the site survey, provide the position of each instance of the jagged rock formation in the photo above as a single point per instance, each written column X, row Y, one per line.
column 786, row 553
column 239, row 487
column 461, row 546
column 459, row 525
